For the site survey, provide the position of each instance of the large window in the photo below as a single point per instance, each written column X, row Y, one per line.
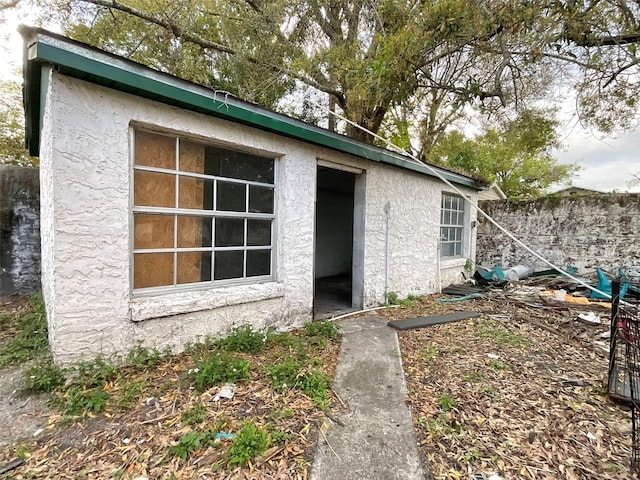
column 202, row 214
column 451, row 225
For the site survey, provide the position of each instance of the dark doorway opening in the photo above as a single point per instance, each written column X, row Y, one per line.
column 334, row 242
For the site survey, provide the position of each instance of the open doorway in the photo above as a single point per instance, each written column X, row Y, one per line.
column 337, row 286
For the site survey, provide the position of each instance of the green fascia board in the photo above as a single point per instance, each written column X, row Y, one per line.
column 96, row 66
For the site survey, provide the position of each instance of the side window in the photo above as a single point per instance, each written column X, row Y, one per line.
column 451, row 225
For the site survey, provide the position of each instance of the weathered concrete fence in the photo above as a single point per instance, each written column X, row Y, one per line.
column 600, row 230
column 19, row 230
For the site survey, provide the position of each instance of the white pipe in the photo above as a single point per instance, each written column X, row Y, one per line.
column 468, row 199
column 387, row 211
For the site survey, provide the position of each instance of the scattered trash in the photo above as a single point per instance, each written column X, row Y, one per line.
column 493, row 356
column 591, row 436
column 12, row 465
column 574, row 383
column 517, row 272
column 151, row 400
column 227, row 391
column 495, row 477
column 38, row 432
column 590, row 318
column 220, row 436
column 126, row 441
column 606, row 334
column 560, row 295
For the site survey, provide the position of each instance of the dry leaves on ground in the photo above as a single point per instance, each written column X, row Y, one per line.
column 148, row 412
column 517, row 392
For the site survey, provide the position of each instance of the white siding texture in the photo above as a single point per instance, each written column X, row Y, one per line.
column 85, row 189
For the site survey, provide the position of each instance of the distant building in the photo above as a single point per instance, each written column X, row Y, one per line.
column 494, row 192
column 565, row 192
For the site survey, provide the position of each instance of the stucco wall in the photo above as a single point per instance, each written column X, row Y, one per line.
column 19, row 230
column 583, row 231
column 86, row 226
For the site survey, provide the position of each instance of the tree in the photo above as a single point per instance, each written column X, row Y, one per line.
column 515, row 154
column 12, row 145
column 374, row 56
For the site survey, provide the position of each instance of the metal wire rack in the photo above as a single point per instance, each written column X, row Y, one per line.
column 624, row 360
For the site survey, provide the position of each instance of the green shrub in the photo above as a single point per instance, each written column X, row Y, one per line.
column 247, row 444
column 142, row 357
column 43, row 376
column 218, row 367
column 78, row 401
column 243, row 339
column 283, row 338
column 392, row 298
column 446, row 402
column 188, row 443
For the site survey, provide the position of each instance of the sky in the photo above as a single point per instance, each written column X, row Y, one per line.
column 607, row 163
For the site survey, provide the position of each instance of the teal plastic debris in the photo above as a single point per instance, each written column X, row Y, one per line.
column 460, row 299
column 604, row 285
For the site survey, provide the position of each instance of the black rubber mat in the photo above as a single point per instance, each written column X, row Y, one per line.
column 420, row 322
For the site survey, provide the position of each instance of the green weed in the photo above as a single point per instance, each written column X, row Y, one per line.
column 188, row 443
column 218, row 367
column 247, row 444
column 322, row 328
column 500, row 336
column 446, row 402
column 473, row 377
column 243, row 339
column 392, row 298
column 77, row 401
column 429, row 353
column 129, row 391
column 28, row 338
column 283, row 338
column 142, row 357
column 315, row 384
column 280, row 414
column 43, row 376
column 194, row 415
column 284, row 373
column 498, row 365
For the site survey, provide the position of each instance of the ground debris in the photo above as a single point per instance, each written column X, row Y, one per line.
column 517, row 393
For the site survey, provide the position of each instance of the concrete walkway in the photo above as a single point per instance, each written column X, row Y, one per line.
column 377, row 441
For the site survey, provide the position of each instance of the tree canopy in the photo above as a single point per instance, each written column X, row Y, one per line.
column 516, row 154
column 428, row 58
column 12, row 146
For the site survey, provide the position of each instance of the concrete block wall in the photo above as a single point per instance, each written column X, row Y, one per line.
column 600, row 230
column 19, row 230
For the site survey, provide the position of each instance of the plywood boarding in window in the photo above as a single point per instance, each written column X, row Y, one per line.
column 154, row 189
column 152, row 270
column 191, row 196
column 155, row 150
column 153, row 231
column 189, row 267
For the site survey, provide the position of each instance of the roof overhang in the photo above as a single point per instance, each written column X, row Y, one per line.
column 78, row 60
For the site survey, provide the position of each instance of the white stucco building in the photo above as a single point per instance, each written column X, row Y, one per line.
column 170, row 211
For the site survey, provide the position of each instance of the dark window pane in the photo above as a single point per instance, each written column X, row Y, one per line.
column 240, row 165
column 231, row 197
column 228, row 265
column 258, row 263
column 229, row 232
column 258, row 232
column 260, row 199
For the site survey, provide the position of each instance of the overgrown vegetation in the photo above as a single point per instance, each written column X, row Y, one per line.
column 25, row 332
column 392, row 298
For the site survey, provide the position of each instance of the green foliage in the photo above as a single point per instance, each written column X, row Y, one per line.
column 392, row 298
column 194, row 415
column 283, row 338
column 446, row 402
column 248, row 443
column 516, row 154
column 218, row 367
column 142, row 357
column 43, row 375
column 322, row 328
column 128, row 392
column 473, row 377
column 429, row 353
column 315, row 384
column 498, row 365
column 500, row 336
column 28, row 334
column 79, row 401
column 188, row 443
column 12, row 146
column 284, row 373
column 243, row 339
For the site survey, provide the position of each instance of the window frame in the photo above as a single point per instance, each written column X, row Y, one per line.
column 443, row 238
column 212, row 214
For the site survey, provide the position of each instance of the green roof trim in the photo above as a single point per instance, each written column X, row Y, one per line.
column 46, row 49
